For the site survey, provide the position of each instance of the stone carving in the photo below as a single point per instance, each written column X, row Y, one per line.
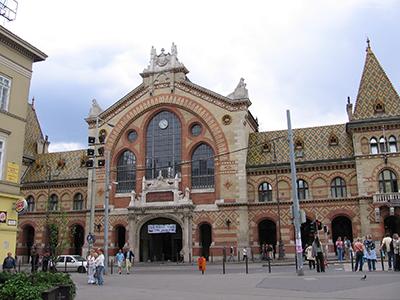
column 163, row 61
column 95, row 110
column 240, row 91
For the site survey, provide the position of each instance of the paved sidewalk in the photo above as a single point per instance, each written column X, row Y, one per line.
column 185, row 282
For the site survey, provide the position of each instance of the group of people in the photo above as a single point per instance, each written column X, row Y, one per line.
column 315, row 255
column 390, row 247
column 125, row 258
column 267, row 251
column 40, row 259
column 95, row 265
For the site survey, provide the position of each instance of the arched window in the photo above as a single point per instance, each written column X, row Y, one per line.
column 78, row 202
column 126, row 172
column 203, row 167
column 53, row 202
column 392, row 144
column 31, row 203
column 264, row 192
column 338, row 188
column 382, row 145
column 302, row 189
column 388, row 182
column 163, row 145
column 374, row 145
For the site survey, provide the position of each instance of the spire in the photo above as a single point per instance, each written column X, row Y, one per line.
column 376, row 96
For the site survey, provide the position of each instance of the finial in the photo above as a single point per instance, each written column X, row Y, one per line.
column 368, row 44
column 348, row 100
column 162, row 50
column 33, row 102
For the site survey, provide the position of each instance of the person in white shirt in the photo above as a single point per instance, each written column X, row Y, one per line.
column 91, row 266
column 386, row 247
column 99, row 263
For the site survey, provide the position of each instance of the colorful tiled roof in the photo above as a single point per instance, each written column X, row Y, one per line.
column 316, row 143
column 33, row 133
column 72, row 169
column 375, row 87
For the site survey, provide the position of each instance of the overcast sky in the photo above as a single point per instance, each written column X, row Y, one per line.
column 306, row 56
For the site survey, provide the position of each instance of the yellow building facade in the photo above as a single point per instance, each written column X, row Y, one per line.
column 16, row 60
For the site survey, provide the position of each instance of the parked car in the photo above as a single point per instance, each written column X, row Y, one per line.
column 71, row 263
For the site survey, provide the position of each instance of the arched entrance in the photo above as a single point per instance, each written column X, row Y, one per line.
column 28, row 239
column 205, row 239
column 267, row 232
column 307, row 236
column 120, row 237
column 392, row 225
column 78, row 239
column 160, row 240
column 341, row 226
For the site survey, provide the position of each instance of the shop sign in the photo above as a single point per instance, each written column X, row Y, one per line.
column 3, row 216
column 11, row 222
column 21, row 206
column 12, row 172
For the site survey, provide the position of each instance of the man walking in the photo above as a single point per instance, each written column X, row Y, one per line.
column 129, row 259
column 359, row 250
column 387, row 248
column 99, row 263
column 9, row 264
column 120, row 260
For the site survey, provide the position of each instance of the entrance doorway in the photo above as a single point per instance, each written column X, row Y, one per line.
column 267, row 233
column 392, row 225
column 341, row 226
column 205, row 239
column 307, row 236
column 28, row 239
column 160, row 243
column 120, row 239
column 78, row 239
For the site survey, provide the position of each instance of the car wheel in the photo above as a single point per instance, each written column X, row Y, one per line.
column 81, row 269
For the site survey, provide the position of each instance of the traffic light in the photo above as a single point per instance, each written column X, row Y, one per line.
column 90, row 152
column 89, row 163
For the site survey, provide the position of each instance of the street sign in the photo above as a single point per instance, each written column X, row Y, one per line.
column 91, row 239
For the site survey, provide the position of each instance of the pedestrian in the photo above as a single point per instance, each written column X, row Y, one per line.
column 396, row 252
column 201, row 263
column 359, row 250
column 45, row 260
column 387, row 249
column 182, row 256
column 120, row 260
column 34, row 259
column 99, row 263
column 270, row 252
column 317, row 252
column 370, row 252
column 309, row 257
column 347, row 247
column 9, row 264
column 231, row 253
column 129, row 259
column 339, row 248
column 91, row 258
column 244, row 253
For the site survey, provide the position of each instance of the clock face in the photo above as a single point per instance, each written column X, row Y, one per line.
column 163, row 124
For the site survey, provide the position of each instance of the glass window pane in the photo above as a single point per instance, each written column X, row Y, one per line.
column 203, row 167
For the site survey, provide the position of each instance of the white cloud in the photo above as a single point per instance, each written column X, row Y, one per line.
column 65, row 146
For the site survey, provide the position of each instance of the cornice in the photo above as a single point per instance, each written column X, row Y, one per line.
column 79, row 182
column 143, row 209
column 2, row 111
column 15, row 67
column 373, row 124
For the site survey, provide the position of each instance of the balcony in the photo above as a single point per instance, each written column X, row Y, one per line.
column 392, row 199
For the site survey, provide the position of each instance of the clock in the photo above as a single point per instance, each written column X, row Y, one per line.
column 163, row 124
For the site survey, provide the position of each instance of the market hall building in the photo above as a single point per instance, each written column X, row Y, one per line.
column 191, row 173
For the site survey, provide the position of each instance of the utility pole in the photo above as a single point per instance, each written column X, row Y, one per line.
column 93, row 182
column 296, row 208
column 106, row 204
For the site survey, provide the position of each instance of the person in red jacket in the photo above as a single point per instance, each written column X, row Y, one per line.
column 201, row 263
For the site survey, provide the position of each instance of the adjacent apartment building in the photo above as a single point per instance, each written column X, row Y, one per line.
column 16, row 59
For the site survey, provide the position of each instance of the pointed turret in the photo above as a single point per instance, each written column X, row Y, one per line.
column 376, row 97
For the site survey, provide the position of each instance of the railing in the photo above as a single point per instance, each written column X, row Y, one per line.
column 387, row 198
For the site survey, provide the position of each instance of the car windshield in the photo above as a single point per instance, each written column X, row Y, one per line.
column 79, row 258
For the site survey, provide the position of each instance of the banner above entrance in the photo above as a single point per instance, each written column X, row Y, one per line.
column 161, row 228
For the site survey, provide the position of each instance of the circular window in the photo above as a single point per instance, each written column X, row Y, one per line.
column 196, row 129
column 132, row 136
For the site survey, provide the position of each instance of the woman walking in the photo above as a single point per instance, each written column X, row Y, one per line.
column 317, row 251
column 91, row 266
column 359, row 250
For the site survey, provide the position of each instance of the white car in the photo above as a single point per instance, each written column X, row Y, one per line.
column 71, row 263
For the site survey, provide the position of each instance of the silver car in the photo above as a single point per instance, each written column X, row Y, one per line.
column 71, row 263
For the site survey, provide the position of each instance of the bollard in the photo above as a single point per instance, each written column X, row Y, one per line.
column 223, row 260
column 212, row 256
column 382, row 256
column 352, row 261
column 269, row 265
column 190, row 258
column 65, row 270
column 112, row 266
column 19, row 266
column 247, row 265
column 238, row 251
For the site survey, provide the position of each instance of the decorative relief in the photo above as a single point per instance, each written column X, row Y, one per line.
column 226, row 119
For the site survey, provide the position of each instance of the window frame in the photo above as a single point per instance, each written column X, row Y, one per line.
column 391, row 182
column 127, row 170
column 31, row 203
column 265, row 195
column 373, row 145
column 204, row 164
column 392, row 142
column 2, row 88
column 2, row 155
column 338, row 189
column 53, row 205
column 77, row 204
column 302, row 192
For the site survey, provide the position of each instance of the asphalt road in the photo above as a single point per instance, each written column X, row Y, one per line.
column 171, row 281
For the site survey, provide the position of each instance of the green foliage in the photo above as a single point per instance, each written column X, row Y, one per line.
column 22, row 286
column 59, row 235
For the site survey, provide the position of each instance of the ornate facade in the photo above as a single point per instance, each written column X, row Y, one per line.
column 190, row 171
